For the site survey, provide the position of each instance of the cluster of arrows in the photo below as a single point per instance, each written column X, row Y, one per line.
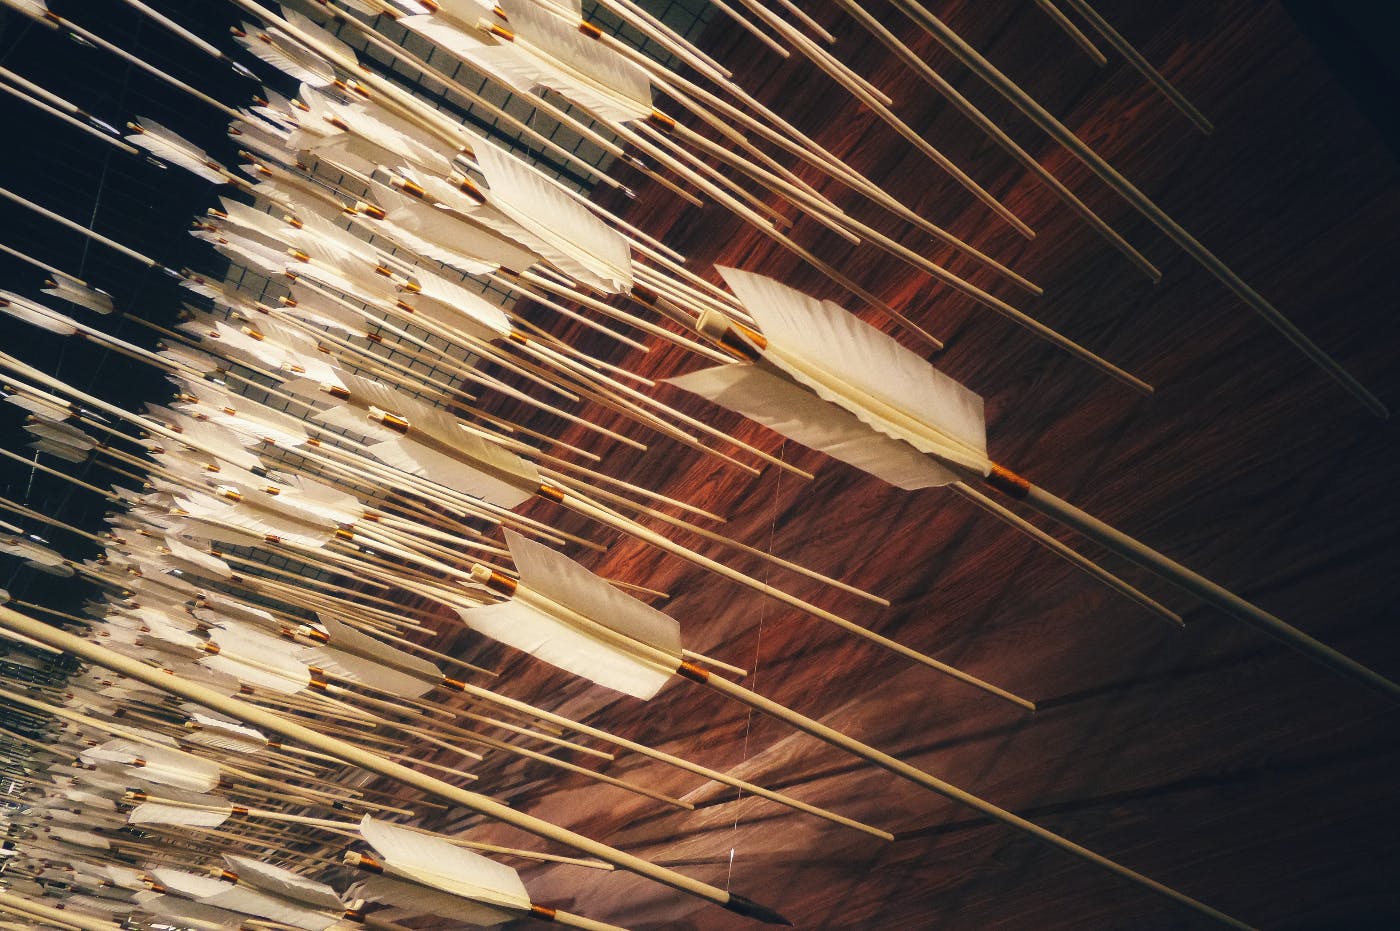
column 205, row 763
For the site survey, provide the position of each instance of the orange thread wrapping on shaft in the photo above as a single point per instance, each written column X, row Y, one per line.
column 501, row 583
column 1008, row 482
column 689, row 670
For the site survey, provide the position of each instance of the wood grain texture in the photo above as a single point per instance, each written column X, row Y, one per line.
column 1211, row 759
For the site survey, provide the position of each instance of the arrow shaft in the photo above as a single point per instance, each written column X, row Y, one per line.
column 575, row 502
column 945, row 789
column 269, row 722
column 1140, row 201
column 1056, row 508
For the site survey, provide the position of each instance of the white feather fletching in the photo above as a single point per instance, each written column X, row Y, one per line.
column 774, row 400
column 414, row 899
column 440, row 299
column 80, row 838
column 286, row 55
column 448, row 238
column 565, row 582
column 351, row 668
column 434, row 862
column 75, row 293
column 225, row 735
column 850, row 363
column 125, row 877
column 63, row 434
column 239, row 214
column 45, row 410
column 182, row 911
column 201, row 562
column 159, row 813
column 33, row 552
column 175, row 149
column 358, row 657
column 416, row 459
column 164, row 766
column 315, row 308
column 283, row 882
column 559, row 643
column 188, row 885
column 245, row 250
column 261, row 905
column 36, row 314
column 263, row 133
column 557, row 640
column 344, row 637
column 597, row 78
column 255, row 661
column 552, row 223
column 66, row 453
column 484, row 469
column 304, row 24
column 258, row 423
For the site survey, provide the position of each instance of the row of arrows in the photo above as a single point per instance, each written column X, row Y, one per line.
column 224, row 696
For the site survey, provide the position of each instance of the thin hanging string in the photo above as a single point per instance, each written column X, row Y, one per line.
column 757, row 649
column 82, row 271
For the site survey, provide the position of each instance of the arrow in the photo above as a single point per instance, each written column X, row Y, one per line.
column 1140, row 201
column 619, row 642
column 889, row 406
column 348, row 753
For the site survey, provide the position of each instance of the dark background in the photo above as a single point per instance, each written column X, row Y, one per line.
column 1211, row 759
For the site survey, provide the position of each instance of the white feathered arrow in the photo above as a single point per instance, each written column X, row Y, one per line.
column 349, row 753
column 430, row 443
column 563, row 614
column 358, row 657
column 426, row 874
column 828, row 380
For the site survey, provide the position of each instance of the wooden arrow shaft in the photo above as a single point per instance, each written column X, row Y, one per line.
column 1140, row 201
column 79, row 228
column 1073, row 557
column 672, row 760
column 998, row 135
column 1008, row 483
column 1075, row 34
column 353, row 755
column 588, row 508
column 1125, row 48
column 945, row 789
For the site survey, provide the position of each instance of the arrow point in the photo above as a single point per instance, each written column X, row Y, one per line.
column 751, row 909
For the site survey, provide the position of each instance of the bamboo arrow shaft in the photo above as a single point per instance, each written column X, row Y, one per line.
column 735, row 544
column 1125, row 48
column 1073, row 557
column 678, row 762
column 267, row 721
column 1076, row 36
column 867, row 95
column 79, row 228
column 71, row 121
column 63, row 918
column 124, row 55
column 1060, row 510
column 999, row 136
column 946, row 789
column 1140, row 201
column 604, row 516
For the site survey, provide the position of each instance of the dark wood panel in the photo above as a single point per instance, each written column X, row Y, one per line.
column 1210, row 758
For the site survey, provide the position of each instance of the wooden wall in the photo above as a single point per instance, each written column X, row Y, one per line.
column 1210, row 758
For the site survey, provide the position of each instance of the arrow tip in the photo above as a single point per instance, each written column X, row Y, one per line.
column 751, row 909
